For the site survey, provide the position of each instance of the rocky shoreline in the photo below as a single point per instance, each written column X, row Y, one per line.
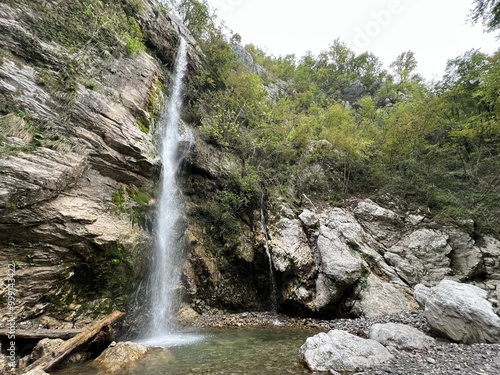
column 443, row 358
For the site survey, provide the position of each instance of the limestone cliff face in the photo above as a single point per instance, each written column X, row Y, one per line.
column 365, row 259
column 79, row 109
column 77, row 172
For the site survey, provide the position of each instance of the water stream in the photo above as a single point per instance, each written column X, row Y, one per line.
column 273, row 291
column 243, row 351
column 170, row 226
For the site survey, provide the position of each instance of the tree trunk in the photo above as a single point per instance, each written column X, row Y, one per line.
column 77, row 342
column 39, row 334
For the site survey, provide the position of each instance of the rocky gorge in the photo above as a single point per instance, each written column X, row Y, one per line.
column 78, row 182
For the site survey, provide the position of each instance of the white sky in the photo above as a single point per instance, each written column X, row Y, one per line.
column 436, row 30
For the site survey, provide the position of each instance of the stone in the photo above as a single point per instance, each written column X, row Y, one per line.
column 369, row 210
column 4, row 364
column 121, row 357
column 379, row 297
column 309, row 219
column 459, row 312
column 466, row 257
column 289, row 248
column 43, row 348
column 35, row 372
column 353, row 92
column 340, row 351
column 186, row 313
column 340, row 266
column 244, row 57
column 415, row 219
column 36, row 177
column 400, row 336
column 490, row 249
column 421, row 257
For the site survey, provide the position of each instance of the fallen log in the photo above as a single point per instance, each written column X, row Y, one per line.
column 39, row 334
column 77, row 342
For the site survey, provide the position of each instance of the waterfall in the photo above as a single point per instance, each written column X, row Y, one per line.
column 273, row 291
column 169, row 232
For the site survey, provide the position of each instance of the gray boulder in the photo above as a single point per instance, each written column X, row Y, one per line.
column 400, row 336
column 289, row 248
column 466, row 257
column 379, row 297
column 369, row 210
column 340, row 351
column 309, row 219
column 459, row 312
column 340, row 266
column 421, row 257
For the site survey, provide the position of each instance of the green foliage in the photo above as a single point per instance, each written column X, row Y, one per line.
column 134, row 39
column 136, row 203
column 196, row 16
column 337, row 124
column 33, row 134
column 105, row 271
column 82, row 25
column 132, row 7
column 489, row 12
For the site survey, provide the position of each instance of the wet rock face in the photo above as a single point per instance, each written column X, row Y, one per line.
column 73, row 160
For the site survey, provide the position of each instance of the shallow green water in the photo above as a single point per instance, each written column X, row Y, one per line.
column 224, row 352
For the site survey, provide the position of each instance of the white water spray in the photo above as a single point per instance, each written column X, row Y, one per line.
column 170, row 220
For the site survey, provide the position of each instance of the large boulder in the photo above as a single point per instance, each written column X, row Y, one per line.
column 421, row 257
column 338, row 256
column 400, row 336
column 459, row 312
column 290, row 250
column 122, row 356
column 340, row 267
column 378, row 297
column 44, row 348
column 340, row 351
column 466, row 257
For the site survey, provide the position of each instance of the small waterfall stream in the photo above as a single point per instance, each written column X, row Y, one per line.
column 168, row 251
column 273, row 291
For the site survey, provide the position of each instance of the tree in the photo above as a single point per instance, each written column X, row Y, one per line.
column 196, row 15
column 404, row 66
column 489, row 12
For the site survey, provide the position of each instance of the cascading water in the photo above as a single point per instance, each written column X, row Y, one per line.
column 273, row 291
column 170, row 222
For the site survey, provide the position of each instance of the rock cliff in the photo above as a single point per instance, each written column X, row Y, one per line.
column 78, row 160
column 79, row 108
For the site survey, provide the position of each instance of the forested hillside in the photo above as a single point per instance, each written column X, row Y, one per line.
column 339, row 124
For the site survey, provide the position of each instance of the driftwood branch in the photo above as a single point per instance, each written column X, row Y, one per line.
column 39, row 334
column 79, row 341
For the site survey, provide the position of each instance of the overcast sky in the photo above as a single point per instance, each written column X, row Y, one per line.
column 436, row 30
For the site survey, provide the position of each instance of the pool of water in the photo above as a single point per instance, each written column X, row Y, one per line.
column 248, row 351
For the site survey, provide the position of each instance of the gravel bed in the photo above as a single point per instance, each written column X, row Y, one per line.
column 444, row 358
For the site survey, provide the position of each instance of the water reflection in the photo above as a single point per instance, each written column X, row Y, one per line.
column 262, row 351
